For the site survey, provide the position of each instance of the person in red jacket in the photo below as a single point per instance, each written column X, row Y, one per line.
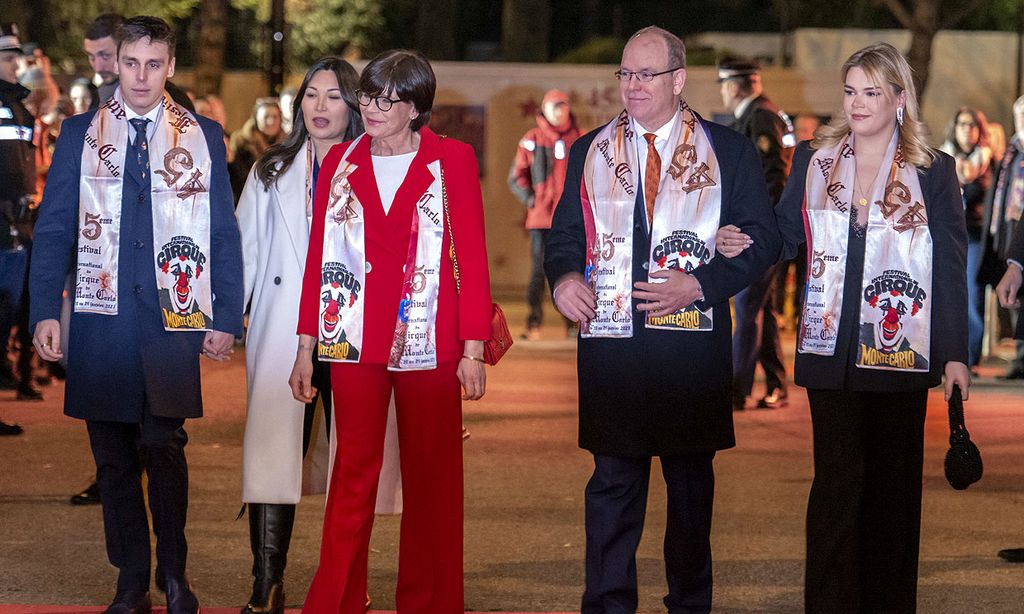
column 382, row 301
column 536, row 179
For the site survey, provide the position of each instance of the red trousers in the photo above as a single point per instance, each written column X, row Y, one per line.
column 429, row 412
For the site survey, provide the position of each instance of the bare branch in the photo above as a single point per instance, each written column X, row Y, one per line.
column 965, row 9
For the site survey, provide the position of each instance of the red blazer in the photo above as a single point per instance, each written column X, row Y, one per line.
column 462, row 316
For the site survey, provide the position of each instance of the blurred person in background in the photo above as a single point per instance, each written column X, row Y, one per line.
column 967, row 140
column 83, row 95
column 287, row 103
column 17, row 193
column 247, row 144
column 756, row 337
column 536, row 179
column 1003, row 206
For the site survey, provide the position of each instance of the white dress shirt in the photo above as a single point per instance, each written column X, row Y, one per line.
column 660, row 145
column 153, row 116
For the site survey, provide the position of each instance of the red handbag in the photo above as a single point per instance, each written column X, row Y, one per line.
column 501, row 338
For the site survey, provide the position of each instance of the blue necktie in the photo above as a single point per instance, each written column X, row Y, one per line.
column 140, row 145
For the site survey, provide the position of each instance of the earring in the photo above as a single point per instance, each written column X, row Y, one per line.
column 899, row 115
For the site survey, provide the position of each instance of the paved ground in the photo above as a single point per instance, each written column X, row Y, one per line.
column 524, row 482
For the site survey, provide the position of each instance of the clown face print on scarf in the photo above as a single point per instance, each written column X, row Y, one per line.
column 893, row 304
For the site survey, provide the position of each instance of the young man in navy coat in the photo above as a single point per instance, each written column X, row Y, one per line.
column 664, row 393
column 133, row 381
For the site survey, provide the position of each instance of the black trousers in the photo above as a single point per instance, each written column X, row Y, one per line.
column 122, row 450
column 616, row 505
column 756, row 338
column 535, row 287
column 864, row 512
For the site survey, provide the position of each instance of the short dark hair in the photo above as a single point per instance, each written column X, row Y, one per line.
column 404, row 73
column 103, row 26
column 144, row 26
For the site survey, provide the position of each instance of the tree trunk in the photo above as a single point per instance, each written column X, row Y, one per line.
column 213, row 20
column 525, row 30
column 435, row 29
column 919, row 56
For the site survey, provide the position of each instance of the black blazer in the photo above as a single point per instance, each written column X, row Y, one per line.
column 946, row 222
column 666, row 392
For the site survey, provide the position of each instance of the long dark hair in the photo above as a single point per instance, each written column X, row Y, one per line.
column 979, row 119
column 276, row 160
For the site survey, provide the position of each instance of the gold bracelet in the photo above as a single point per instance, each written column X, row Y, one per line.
column 473, row 358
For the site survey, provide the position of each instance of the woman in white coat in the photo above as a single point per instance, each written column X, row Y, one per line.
column 282, row 437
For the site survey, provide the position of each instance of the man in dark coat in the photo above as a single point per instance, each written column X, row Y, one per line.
column 1008, row 292
column 1004, row 204
column 133, row 381
column 17, row 186
column 756, row 338
column 662, row 393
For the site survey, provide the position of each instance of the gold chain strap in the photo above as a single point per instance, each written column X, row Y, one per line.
column 448, row 220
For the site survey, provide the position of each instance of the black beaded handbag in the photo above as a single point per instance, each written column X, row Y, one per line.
column 963, row 460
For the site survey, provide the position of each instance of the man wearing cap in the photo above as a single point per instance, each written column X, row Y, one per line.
column 756, row 338
column 138, row 204
column 536, row 179
column 17, row 187
column 631, row 256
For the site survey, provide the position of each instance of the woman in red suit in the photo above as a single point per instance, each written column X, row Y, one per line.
column 381, row 302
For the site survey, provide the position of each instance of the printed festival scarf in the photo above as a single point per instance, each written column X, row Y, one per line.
column 344, row 269
column 180, row 159
column 896, row 288
column 687, row 213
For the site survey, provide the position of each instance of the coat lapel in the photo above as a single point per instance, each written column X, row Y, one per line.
column 289, row 193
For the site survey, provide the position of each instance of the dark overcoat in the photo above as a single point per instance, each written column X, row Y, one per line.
column 762, row 123
column 118, row 364
column 946, row 223
column 666, row 392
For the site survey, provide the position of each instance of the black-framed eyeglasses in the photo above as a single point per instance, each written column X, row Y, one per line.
column 383, row 102
column 642, row 75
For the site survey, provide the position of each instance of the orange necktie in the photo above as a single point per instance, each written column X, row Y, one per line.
column 652, row 177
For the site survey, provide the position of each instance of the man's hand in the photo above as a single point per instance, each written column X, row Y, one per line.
column 957, row 373
column 730, row 242
column 574, row 299
column 218, row 345
column 47, row 340
column 301, row 379
column 667, row 297
column 1009, row 286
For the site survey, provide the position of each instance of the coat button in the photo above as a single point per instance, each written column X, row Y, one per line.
column 139, row 244
column 644, row 266
column 369, row 267
column 277, row 281
column 142, row 197
column 137, row 289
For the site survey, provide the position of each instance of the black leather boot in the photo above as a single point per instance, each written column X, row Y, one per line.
column 270, row 532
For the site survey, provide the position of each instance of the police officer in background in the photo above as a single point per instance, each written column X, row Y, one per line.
column 17, row 187
column 756, row 337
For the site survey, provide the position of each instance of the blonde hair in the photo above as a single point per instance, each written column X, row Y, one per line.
column 883, row 63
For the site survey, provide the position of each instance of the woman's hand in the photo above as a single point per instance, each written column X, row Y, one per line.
column 957, row 373
column 730, row 242
column 301, row 379
column 471, row 371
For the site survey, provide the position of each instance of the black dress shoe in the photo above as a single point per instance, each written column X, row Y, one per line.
column 774, row 399
column 1013, row 374
column 180, row 598
column 1012, row 555
column 739, row 403
column 8, row 381
column 10, row 429
column 130, row 602
column 89, row 496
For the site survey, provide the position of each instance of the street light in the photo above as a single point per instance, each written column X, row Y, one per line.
column 276, row 76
